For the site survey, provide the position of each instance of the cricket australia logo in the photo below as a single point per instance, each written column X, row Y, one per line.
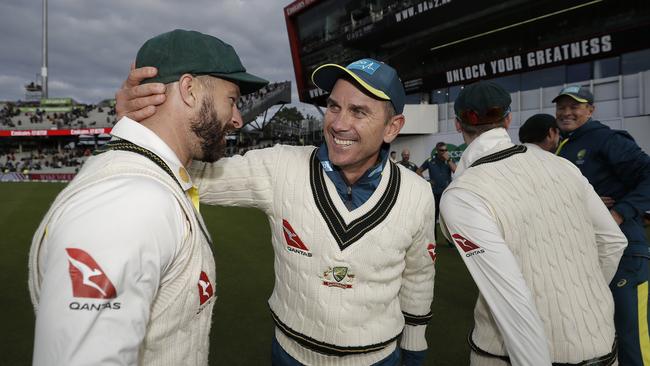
column 580, row 157
column 294, row 244
column 467, row 246
column 338, row 277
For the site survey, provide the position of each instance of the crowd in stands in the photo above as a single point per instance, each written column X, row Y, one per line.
column 78, row 117
column 43, row 160
column 247, row 102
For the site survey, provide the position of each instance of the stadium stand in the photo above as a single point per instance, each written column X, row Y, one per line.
column 36, row 148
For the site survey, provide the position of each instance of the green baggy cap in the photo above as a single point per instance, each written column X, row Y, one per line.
column 189, row 52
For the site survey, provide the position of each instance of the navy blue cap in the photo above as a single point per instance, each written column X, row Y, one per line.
column 580, row 94
column 376, row 77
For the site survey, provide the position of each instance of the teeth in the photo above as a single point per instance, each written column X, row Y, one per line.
column 343, row 142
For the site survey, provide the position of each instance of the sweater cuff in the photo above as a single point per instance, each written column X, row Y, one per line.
column 413, row 338
column 626, row 210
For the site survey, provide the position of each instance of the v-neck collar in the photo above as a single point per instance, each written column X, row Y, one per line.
column 344, row 233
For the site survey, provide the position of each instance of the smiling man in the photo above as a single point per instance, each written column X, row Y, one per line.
column 620, row 173
column 352, row 231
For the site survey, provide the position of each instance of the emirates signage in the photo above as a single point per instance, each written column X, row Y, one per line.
column 70, row 132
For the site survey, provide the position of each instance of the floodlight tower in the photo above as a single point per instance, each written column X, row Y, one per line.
column 44, row 67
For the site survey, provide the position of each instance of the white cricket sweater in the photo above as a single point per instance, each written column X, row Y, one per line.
column 178, row 325
column 344, row 281
column 538, row 201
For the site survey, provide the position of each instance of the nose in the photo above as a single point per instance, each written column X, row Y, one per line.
column 340, row 122
column 237, row 119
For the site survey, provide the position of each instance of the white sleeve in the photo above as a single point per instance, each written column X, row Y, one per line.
column 101, row 263
column 416, row 293
column 495, row 270
column 245, row 181
column 610, row 239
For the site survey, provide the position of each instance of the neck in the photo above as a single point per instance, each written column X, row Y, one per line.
column 354, row 173
column 165, row 124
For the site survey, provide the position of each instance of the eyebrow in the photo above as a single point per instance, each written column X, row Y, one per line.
column 360, row 107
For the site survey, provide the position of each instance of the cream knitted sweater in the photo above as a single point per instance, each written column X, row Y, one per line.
column 538, row 201
column 344, row 281
column 179, row 323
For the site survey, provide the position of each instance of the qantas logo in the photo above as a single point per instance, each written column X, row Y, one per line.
column 467, row 246
column 432, row 251
column 88, row 278
column 205, row 288
column 294, row 244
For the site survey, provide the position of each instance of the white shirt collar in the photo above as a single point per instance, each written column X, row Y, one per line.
column 488, row 142
column 132, row 131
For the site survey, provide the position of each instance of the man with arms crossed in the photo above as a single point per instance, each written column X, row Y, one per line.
column 352, row 231
column 121, row 269
column 620, row 173
column 537, row 240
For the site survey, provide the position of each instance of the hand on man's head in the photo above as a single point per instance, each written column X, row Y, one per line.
column 136, row 101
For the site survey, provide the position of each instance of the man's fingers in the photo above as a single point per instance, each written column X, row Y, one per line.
column 142, row 114
column 137, row 75
column 140, row 103
column 145, row 90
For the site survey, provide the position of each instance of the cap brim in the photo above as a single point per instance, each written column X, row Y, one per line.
column 325, row 76
column 576, row 98
column 248, row 83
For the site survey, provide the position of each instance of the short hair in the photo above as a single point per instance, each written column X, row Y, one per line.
column 536, row 128
column 439, row 144
column 474, row 130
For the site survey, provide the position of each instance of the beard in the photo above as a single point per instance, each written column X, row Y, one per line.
column 211, row 133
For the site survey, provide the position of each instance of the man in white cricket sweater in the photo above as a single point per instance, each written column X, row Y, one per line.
column 538, row 241
column 121, row 271
column 352, row 231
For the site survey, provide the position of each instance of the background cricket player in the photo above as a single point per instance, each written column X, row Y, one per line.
column 538, row 241
column 620, row 173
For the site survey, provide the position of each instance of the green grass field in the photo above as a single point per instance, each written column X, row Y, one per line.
column 242, row 327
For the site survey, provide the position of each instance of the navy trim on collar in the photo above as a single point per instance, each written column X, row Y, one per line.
column 363, row 188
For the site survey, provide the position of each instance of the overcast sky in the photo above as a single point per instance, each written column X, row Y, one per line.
column 92, row 43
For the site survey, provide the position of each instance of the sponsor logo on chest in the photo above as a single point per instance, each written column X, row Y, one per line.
column 294, row 244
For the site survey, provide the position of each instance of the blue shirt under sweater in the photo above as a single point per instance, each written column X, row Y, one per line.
column 358, row 193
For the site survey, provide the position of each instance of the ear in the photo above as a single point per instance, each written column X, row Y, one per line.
column 189, row 90
column 508, row 121
column 392, row 128
column 591, row 108
column 459, row 128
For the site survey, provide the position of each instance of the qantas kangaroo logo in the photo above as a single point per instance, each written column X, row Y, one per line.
column 88, row 278
column 432, row 251
column 467, row 246
column 294, row 244
column 205, row 288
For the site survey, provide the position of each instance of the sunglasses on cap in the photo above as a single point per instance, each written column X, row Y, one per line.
column 491, row 115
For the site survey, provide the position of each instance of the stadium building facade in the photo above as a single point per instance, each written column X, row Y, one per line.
column 533, row 48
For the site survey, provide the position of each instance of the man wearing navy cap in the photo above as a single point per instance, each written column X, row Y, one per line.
column 620, row 173
column 353, row 233
column 537, row 240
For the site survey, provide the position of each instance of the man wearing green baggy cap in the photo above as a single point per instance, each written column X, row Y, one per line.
column 536, row 239
column 121, row 270
column 352, row 231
